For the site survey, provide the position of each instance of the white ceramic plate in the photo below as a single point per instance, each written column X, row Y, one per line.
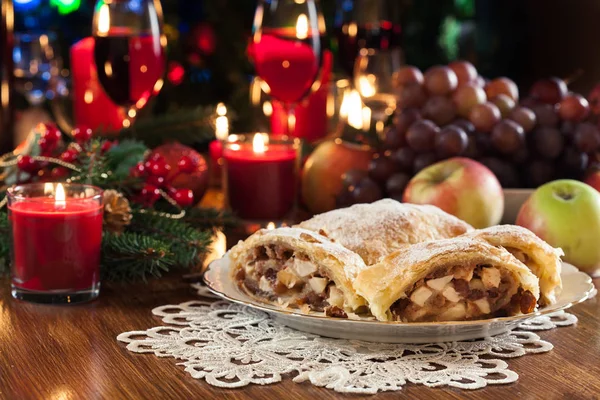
column 577, row 287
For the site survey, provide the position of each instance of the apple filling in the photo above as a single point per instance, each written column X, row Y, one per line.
column 290, row 278
column 463, row 293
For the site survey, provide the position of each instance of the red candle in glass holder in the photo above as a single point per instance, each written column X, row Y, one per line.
column 261, row 178
column 55, row 244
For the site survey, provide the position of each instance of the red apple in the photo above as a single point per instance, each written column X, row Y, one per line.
column 593, row 179
column 461, row 187
column 566, row 214
column 323, row 170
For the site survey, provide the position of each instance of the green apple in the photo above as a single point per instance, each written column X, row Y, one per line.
column 566, row 214
column 461, row 187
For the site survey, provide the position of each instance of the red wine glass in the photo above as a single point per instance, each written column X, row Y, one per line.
column 373, row 24
column 287, row 48
column 129, row 51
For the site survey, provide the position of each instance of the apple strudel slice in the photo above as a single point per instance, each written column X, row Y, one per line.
column 298, row 268
column 377, row 229
column 539, row 256
column 448, row 280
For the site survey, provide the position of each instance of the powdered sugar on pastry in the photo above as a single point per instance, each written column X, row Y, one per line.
column 377, row 229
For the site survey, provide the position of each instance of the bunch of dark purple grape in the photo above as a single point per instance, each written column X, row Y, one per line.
column 452, row 111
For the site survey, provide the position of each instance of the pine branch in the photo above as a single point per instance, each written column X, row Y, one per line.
column 121, row 158
column 186, row 243
column 210, row 219
column 187, row 127
column 133, row 256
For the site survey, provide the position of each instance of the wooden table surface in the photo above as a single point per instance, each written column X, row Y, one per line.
column 71, row 352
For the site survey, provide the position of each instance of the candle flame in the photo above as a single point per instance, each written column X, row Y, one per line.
column 366, row 118
column 354, row 110
column 271, row 225
column 258, row 143
column 60, row 197
column 103, row 19
column 221, row 109
column 222, row 128
column 267, row 108
column 302, row 27
column 366, row 85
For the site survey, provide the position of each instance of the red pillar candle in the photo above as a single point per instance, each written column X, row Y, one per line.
column 92, row 107
column 215, row 150
column 261, row 178
column 56, row 236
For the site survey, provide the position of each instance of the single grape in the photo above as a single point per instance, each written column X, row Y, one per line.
column 353, row 177
column 452, row 141
column 574, row 107
column 587, row 137
column 421, row 135
column 396, row 184
column 484, row 116
column 548, row 142
column 439, row 109
column 508, row 136
column 529, row 102
column 480, row 81
column 424, row 160
column 567, row 128
column 345, row 198
column 405, row 118
column 549, row 91
column 574, row 162
column 546, row 114
column 465, row 125
column 440, row 80
column 594, row 99
column 523, row 116
column 464, row 70
column 393, row 138
column 466, row 97
column 404, row 158
column 504, row 103
column 367, row 191
column 381, row 168
column 539, row 172
column 407, row 74
column 506, row 173
column 520, row 156
column 502, row 86
column 412, row 95
column 484, row 144
column 472, row 150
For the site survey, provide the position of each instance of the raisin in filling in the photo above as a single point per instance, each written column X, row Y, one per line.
column 463, row 293
column 280, row 274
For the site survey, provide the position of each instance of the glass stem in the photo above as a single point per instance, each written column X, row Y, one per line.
column 290, row 119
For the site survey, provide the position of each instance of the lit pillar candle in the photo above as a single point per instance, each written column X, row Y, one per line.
column 56, row 235
column 261, row 176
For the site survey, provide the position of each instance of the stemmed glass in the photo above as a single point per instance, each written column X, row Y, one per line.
column 287, row 49
column 129, row 51
column 37, row 65
column 373, row 80
column 372, row 24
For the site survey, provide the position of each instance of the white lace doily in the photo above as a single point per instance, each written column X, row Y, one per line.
column 230, row 345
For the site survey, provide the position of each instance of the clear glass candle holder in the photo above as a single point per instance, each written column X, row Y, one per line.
column 56, row 236
column 260, row 176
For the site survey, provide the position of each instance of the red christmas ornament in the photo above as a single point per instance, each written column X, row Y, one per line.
column 204, row 39
column 82, row 134
column 150, row 194
column 69, row 155
column 195, row 179
column 175, row 73
column 50, row 132
column 27, row 164
column 183, row 197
